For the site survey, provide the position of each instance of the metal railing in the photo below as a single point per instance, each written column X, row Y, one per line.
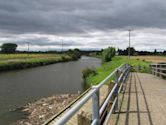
column 119, row 75
column 159, row 69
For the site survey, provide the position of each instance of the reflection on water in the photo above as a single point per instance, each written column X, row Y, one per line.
column 22, row 86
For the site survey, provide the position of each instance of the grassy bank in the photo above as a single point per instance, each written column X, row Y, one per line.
column 108, row 67
column 21, row 61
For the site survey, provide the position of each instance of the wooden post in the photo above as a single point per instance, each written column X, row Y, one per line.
column 161, row 76
column 153, row 70
column 84, row 118
column 156, row 70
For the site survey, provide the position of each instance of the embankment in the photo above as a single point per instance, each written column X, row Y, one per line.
column 14, row 64
column 42, row 110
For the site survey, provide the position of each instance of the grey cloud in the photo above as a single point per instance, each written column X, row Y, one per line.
column 43, row 41
column 78, row 16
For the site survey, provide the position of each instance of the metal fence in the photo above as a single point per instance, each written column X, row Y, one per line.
column 119, row 75
column 159, row 70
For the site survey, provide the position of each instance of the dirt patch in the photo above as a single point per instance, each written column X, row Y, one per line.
column 42, row 110
column 154, row 59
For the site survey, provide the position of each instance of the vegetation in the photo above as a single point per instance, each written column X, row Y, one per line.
column 88, row 71
column 75, row 54
column 110, row 66
column 135, row 52
column 20, row 61
column 108, row 54
column 8, row 47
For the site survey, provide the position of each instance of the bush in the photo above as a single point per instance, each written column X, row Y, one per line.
column 107, row 54
column 88, row 71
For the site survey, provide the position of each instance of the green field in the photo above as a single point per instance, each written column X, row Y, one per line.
column 20, row 61
column 108, row 67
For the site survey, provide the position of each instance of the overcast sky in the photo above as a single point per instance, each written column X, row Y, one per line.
column 84, row 24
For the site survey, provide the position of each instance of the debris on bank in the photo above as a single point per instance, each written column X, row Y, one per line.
column 42, row 110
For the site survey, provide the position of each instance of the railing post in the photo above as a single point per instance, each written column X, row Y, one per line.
column 116, row 90
column 152, row 69
column 124, row 79
column 95, row 107
column 160, row 66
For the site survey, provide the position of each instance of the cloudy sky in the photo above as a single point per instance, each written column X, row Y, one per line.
column 84, row 24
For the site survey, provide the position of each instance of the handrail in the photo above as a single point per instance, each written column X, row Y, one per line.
column 120, row 75
column 163, row 69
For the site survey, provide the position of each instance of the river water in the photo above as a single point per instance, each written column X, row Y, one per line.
column 19, row 87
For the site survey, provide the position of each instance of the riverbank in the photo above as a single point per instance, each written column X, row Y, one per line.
column 22, row 61
column 40, row 111
column 108, row 67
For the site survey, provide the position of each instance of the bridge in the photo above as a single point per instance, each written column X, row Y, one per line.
column 123, row 98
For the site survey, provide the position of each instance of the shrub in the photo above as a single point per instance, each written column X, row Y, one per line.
column 88, row 71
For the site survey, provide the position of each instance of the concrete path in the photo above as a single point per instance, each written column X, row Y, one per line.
column 143, row 102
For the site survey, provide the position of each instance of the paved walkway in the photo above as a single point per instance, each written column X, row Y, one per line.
column 143, row 102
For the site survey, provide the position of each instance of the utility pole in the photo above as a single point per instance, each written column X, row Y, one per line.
column 62, row 46
column 129, row 45
column 28, row 46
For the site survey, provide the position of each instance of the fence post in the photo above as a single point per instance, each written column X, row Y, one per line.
column 156, row 70
column 95, row 107
column 152, row 69
column 160, row 66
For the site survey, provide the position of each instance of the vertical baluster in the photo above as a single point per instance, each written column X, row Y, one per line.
column 95, row 107
column 116, row 90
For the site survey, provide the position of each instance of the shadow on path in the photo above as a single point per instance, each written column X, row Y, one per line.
column 133, row 79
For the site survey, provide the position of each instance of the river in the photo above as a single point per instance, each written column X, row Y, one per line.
column 19, row 87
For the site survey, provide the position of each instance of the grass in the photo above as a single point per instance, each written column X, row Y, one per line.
column 108, row 67
column 21, row 61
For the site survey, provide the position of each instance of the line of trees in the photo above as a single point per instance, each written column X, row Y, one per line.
column 133, row 52
column 107, row 53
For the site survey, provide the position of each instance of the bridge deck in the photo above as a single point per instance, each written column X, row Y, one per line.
column 143, row 102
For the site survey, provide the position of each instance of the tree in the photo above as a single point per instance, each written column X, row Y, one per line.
column 107, row 54
column 8, row 47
